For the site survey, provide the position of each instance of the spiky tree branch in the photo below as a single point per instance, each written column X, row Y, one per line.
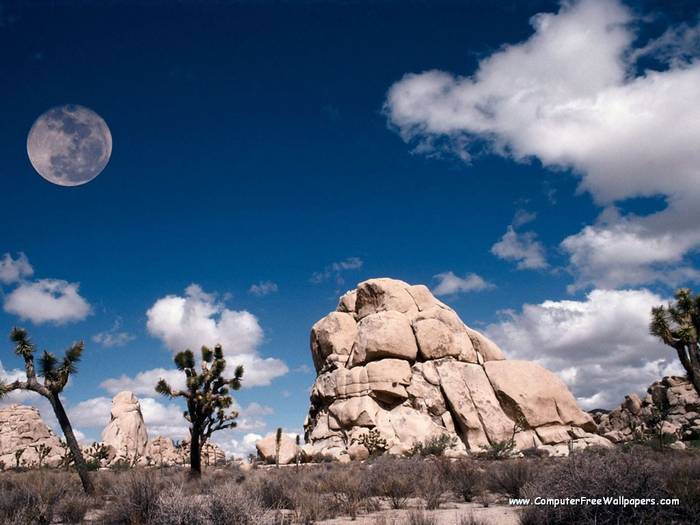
column 207, row 397
column 678, row 326
column 55, row 374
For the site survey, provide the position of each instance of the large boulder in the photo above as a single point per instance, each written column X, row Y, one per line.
column 126, row 431
column 267, row 449
column 395, row 359
column 22, row 429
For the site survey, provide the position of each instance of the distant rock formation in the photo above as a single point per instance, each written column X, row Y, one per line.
column 394, row 358
column 267, row 449
column 22, row 429
column 126, row 431
column 671, row 405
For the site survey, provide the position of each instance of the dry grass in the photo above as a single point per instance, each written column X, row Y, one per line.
column 314, row 493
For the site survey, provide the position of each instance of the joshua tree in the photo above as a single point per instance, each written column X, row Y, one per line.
column 18, row 457
column 42, row 450
column 278, row 445
column 55, row 375
column 298, row 450
column 207, row 397
column 678, row 326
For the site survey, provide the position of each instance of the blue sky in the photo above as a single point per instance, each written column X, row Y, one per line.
column 264, row 143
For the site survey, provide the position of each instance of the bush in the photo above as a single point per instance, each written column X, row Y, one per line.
column 31, row 497
column 345, row 484
column 134, row 497
column 434, row 445
column 466, row 479
column 393, row 478
column 432, row 483
column 72, row 508
column 597, row 475
column 509, row 477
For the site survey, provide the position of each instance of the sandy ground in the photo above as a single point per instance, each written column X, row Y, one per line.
column 448, row 514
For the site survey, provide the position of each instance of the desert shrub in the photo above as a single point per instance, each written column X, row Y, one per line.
column 373, row 442
column 434, row 445
column 72, row 508
column 231, row 505
column 599, row 475
column 393, row 478
column 134, row 497
column 228, row 504
column 420, row 517
column 346, row 487
column 432, row 483
column 682, row 477
column 30, row 498
column 509, row 477
column 272, row 492
column 466, row 479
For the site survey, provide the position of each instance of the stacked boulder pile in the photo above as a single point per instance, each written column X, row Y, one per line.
column 394, row 359
column 23, row 432
column 671, row 408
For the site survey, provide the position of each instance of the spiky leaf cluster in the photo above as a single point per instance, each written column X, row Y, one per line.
column 206, row 392
column 678, row 324
column 54, row 371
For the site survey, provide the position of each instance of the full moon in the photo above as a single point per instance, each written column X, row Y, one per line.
column 69, row 145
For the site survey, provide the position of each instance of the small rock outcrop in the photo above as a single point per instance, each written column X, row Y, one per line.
column 267, row 449
column 126, row 431
column 22, row 429
column 394, row 358
column 671, row 408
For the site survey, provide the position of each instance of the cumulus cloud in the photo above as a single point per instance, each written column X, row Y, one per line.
column 263, row 288
column 237, row 447
column 91, row 413
column 451, row 284
column 600, row 346
column 572, row 97
column 47, row 301
column 334, row 271
column 14, row 270
column 144, row 383
column 113, row 337
column 198, row 318
column 521, row 247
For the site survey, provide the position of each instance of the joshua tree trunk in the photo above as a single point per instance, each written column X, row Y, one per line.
column 195, row 455
column 72, row 443
column 688, row 356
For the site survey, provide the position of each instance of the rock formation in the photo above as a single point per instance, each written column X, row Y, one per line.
column 394, row 358
column 267, row 449
column 126, row 431
column 21, row 428
column 671, row 406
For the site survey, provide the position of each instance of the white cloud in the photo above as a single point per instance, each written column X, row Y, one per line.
column 91, row 413
column 14, row 270
column 198, row 318
column 238, row 448
column 263, row 288
column 164, row 419
column 47, row 301
column 450, row 284
column 521, row 247
column 571, row 96
column 144, row 383
column 335, row 270
column 600, row 346
column 113, row 337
